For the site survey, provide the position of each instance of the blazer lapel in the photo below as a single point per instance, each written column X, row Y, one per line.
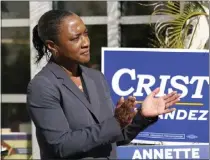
column 92, row 93
column 68, row 83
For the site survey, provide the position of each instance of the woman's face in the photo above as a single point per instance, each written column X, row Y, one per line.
column 73, row 40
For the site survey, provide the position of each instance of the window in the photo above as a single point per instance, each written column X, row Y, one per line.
column 98, row 39
column 136, row 35
column 15, row 59
column 15, row 73
column 15, row 117
column 130, row 8
column 83, row 8
column 14, row 9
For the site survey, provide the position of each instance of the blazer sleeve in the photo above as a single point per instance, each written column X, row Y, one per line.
column 138, row 124
column 43, row 104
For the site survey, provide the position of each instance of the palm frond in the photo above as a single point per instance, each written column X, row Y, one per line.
column 172, row 33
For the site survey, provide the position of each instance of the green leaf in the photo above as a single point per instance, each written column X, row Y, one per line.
column 177, row 28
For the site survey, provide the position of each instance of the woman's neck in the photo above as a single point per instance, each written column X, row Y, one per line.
column 71, row 68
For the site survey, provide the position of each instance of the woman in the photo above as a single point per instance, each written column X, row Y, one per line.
column 71, row 105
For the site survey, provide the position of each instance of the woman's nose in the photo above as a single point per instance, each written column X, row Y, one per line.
column 85, row 41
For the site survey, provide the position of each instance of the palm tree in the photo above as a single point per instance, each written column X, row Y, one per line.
column 187, row 28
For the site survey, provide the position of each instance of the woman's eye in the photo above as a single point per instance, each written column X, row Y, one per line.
column 75, row 39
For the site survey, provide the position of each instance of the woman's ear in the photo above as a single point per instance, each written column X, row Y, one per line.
column 52, row 47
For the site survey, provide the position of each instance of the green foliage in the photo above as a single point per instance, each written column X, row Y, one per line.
column 172, row 33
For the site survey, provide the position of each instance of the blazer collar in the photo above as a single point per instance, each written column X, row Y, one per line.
column 93, row 106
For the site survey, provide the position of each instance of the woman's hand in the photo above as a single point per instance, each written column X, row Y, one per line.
column 152, row 106
column 125, row 111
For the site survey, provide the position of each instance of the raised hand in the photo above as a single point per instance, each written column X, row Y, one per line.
column 125, row 111
column 152, row 106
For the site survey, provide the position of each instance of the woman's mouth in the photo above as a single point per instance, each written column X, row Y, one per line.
column 85, row 53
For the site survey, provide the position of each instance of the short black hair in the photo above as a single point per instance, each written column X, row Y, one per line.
column 47, row 29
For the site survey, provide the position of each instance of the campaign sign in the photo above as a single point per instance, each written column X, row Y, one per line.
column 136, row 72
column 163, row 152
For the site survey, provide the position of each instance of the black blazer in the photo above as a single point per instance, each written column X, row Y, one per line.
column 70, row 126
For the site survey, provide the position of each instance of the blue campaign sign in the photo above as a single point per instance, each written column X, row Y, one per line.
column 137, row 72
column 164, row 152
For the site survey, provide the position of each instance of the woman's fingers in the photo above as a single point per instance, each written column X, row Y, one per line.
column 168, row 110
column 172, row 97
column 172, row 102
column 120, row 102
column 132, row 101
column 131, row 98
column 168, row 96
